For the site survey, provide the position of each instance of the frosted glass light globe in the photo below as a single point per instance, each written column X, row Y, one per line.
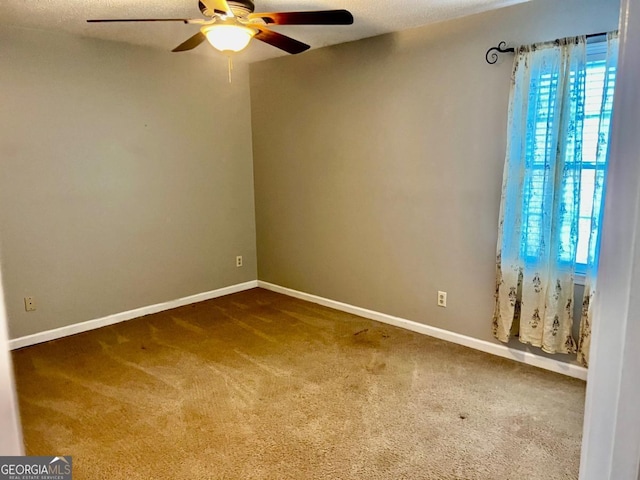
column 228, row 38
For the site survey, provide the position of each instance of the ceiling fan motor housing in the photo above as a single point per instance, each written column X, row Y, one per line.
column 240, row 8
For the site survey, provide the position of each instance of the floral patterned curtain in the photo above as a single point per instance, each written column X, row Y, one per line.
column 601, row 156
column 540, row 206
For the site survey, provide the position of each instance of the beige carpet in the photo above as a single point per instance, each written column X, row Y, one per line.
column 261, row 386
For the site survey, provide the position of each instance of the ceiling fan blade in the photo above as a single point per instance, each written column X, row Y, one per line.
column 218, row 6
column 321, row 17
column 280, row 41
column 184, row 20
column 190, row 43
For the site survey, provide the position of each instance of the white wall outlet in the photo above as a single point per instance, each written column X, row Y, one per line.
column 442, row 299
column 239, row 261
column 29, row 304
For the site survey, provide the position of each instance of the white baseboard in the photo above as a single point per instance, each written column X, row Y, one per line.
column 528, row 358
column 482, row 345
column 124, row 316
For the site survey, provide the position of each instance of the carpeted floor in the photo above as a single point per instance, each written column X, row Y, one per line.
column 257, row 385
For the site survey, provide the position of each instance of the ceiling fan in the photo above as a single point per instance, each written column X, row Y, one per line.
column 231, row 24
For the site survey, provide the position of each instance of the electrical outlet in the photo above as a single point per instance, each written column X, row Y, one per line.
column 29, row 304
column 442, row 299
column 239, row 261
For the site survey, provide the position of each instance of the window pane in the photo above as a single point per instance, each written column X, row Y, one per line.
column 584, row 227
column 586, row 192
column 541, row 146
column 594, row 87
column 590, row 132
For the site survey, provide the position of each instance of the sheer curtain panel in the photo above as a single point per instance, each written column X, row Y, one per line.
column 543, row 204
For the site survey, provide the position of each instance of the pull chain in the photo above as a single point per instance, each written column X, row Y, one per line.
column 230, row 66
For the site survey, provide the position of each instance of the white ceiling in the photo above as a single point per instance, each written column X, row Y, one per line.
column 372, row 17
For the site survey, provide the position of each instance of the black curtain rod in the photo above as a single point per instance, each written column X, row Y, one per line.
column 492, row 54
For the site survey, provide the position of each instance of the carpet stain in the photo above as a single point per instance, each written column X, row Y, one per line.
column 257, row 385
column 376, row 367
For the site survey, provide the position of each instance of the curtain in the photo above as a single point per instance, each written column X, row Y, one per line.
column 599, row 182
column 540, row 209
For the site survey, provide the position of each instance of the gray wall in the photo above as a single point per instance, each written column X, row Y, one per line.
column 126, row 177
column 378, row 164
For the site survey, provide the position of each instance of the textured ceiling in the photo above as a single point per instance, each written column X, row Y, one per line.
column 372, row 17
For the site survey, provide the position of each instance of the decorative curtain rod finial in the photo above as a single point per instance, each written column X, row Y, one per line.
column 492, row 54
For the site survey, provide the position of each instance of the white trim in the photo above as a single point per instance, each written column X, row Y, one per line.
column 128, row 315
column 528, row 358
column 11, row 441
column 611, row 435
column 482, row 345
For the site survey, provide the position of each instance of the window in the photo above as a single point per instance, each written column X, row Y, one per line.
column 592, row 135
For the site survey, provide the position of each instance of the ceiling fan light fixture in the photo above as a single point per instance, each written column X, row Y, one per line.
column 228, row 38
